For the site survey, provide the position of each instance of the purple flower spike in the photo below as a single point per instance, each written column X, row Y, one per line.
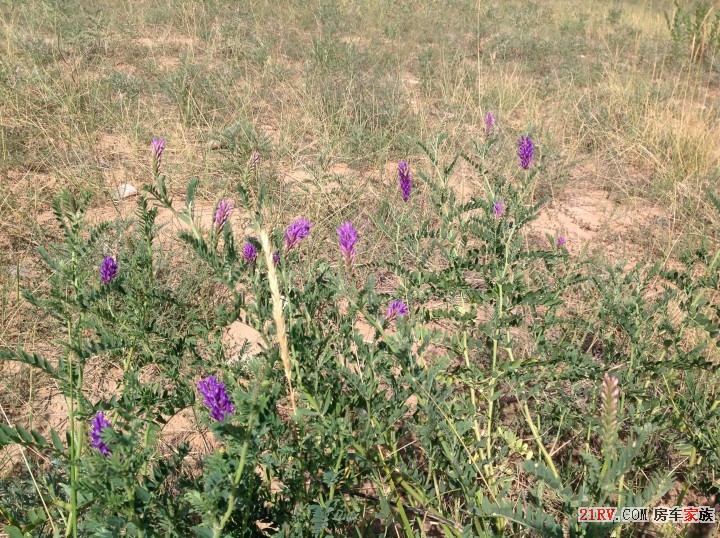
column 525, row 151
column 255, row 159
column 397, row 309
column 157, row 146
column 348, row 237
column 216, row 398
column 405, row 180
column 560, row 241
column 99, row 423
column 489, row 123
column 297, row 231
column 222, row 214
column 108, row 270
column 276, row 258
column 498, row 209
column 250, row 253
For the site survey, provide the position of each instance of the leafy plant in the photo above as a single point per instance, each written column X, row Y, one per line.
column 456, row 408
column 697, row 28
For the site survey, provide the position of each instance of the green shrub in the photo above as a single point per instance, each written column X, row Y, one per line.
column 698, row 29
column 460, row 417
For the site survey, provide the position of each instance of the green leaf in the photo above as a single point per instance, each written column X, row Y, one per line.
column 203, row 532
column 20, row 355
column 14, row 532
column 57, row 442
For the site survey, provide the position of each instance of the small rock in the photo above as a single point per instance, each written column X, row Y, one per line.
column 124, row 191
column 238, row 334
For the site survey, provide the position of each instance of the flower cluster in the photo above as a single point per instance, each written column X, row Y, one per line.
column 397, row 309
column 216, row 398
column 99, row 424
column 525, row 151
column 108, row 270
column 498, row 209
column 560, row 241
column 250, row 253
column 222, row 214
column 297, row 231
column 348, row 237
column 157, row 146
column 489, row 120
column 405, row 180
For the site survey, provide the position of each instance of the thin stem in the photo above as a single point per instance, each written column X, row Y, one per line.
column 538, row 440
column 233, row 494
column 476, row 426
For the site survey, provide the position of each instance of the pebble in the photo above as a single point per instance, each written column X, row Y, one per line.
column 126, row 190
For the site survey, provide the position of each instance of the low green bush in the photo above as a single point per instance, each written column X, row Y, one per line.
column 499, row 385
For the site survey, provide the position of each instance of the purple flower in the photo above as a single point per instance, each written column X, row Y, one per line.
column 250, row 253
column 560, row 241
column 397, row 309
column 255, row 159
column 216, row 398
column 99, row 423
column 525, row 151
column 108, row 270
column 222, row 213
column 498, row 209
column 276, row 258
column 298, row 230
column 157, row 147
column 348, row 237
column 405, row 180
column 489, row 123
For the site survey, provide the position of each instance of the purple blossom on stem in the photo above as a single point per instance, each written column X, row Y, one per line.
column 405, row 180
column 397, row 309
column 108, row 270
column 250, row 253
column 99, row 423
column 498, row 209
column 297, row 231
column 255, row 159
column 489, row 120
column 276, row 258
column 157, row 147
column 216, row 398
column 560, row 241
column 347, row 237
column 525, row 151
column 222, row 214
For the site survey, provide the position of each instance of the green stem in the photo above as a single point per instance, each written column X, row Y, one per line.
column 217, row 530
column 538, row 440
column 492, row 373
column 476, row 426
